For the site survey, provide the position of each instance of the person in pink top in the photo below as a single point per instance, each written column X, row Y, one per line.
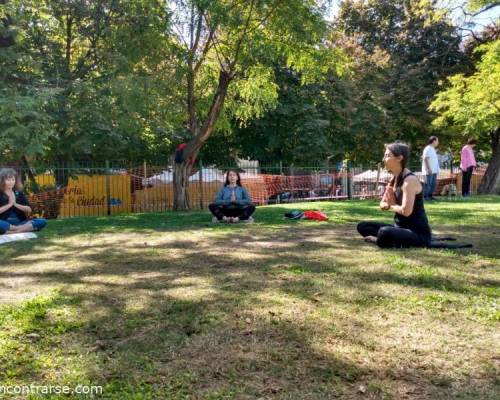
column 467, row 164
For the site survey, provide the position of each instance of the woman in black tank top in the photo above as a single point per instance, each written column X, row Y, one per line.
column 404, row 196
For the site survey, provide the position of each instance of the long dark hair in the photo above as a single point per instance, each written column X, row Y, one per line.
column 399, row 149
column 6, row 173
column 238, row 181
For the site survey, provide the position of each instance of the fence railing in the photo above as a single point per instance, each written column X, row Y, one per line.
column 71, row 191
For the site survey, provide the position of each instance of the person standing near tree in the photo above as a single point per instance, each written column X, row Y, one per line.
column 467, row 164
column 430, row 167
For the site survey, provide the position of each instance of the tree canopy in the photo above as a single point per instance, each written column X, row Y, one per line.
column 471, row 105
column 272, row 80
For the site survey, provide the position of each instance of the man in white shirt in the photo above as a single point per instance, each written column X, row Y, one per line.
column 430, row 167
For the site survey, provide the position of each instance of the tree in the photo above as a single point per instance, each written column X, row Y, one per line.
column 472, row 104
column 393, row 54
column 87, row 80
column 224, row 51
column 294, row 131
column 24, row 126
column 334, row 117
column 423, row 47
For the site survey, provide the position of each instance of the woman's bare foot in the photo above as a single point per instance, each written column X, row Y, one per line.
column 371, row 239
column 27, row 227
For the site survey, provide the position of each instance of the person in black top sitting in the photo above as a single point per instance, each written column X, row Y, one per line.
column 14, row 207
column 404, row 196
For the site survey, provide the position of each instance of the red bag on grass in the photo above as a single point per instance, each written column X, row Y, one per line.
column 316, row 215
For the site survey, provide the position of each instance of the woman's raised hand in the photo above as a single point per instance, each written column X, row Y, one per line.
column 389, row 196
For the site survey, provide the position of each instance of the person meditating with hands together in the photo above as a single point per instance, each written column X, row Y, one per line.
column 403, row 196
column 232, row 203
column 14, row 207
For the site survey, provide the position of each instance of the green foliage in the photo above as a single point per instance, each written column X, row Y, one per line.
column 25, row 127
column 422, row 46
column 100, row 86
column 242, row 39
column 473, row 102
column 254, row 94
column 479, row 5
column 294, row 131
column 388, row 57
column 24, row 124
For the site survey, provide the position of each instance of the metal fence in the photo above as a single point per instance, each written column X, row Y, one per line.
column 97, row 190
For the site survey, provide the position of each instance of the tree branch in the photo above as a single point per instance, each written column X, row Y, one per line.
column 69, row 40
column 473, row 34
column 215, row 43
column 206, row 48
column 199, row 25
column 240, row 40
column 267, row 16
column 80, row 71
column 204, row 133
column 486, row 8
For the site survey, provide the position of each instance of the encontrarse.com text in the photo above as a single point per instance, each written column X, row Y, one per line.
column 50, row 389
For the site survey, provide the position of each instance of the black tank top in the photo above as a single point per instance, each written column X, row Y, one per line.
column 417, row 221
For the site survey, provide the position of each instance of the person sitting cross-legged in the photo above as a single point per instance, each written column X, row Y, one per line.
column 232, row 203
column 14, row 207
column 403, row 196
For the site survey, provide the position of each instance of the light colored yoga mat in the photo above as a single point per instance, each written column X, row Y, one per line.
column 17, row 236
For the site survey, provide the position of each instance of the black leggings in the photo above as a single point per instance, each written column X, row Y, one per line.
column 232, row 210
column 466, row 177
column 392, row 236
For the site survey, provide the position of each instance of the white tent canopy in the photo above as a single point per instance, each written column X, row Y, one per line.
column 371, row 176
column 167, row 176
column 164, row 177
column 208, row 175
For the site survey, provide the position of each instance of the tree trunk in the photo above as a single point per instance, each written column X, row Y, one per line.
column 490, row 184
column 183, row 170
column 62, row 171
column 29, row 173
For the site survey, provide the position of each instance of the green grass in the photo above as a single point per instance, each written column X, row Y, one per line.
column 170, row 306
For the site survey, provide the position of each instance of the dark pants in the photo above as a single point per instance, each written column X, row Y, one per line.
column 220, row 211
column 430, row 185
column 392, row 236
column 466, row 177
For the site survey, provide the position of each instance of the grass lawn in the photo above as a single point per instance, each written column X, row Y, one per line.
column 170, row 306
